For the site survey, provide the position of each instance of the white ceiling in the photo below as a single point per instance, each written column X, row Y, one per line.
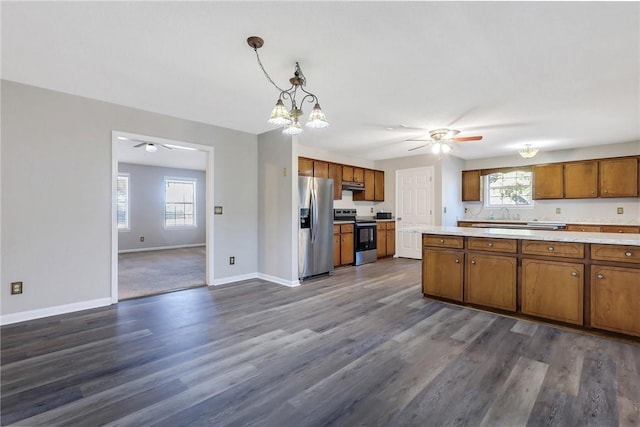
column 554, row 74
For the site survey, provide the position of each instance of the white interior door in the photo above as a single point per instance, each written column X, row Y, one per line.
column 414, row 208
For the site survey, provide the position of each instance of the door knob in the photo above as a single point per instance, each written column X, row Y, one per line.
column 399, row 219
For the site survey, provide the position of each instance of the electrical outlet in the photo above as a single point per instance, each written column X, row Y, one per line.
column 284, row 171
column 558, row 210
column 445, row 209
column 620, row 211
column 142, row 238
column 466, row 210
column 232, row 260
column 16, row 288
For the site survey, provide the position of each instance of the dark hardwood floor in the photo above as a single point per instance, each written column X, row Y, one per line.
column 361, row 347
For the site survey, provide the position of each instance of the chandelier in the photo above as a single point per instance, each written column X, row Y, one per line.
column 289, row 116
column 528, row 152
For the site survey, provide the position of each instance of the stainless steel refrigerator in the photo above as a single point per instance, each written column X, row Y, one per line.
column 315, row 243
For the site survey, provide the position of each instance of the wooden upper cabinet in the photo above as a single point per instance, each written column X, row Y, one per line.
column 305, row 166
column 619, row 177
column 379, row 186
column 548, row 181
column 369, row 186
column 347, row 173
column 320, row 169
column 471, row 186
column 581, row 180
column 335, row 173
column 358, row 174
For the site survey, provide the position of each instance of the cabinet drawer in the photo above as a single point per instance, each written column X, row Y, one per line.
column 381, row 226
column 443, row 241
column 588, row 228
column 336, row 229
column 346, row 228
column 538, row 247
column 493, row 245
column 391, row 225
column 619, row 229
column 616, row 253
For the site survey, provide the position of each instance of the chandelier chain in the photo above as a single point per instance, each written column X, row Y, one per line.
column 265, row 72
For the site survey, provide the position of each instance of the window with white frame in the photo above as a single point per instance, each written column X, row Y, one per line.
column 122, row 202
column 509, row 188
column 180, row 202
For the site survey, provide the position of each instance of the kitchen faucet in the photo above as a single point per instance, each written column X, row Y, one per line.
column 505, row 213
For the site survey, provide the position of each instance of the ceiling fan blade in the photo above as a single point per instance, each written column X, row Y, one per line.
column 467, row 138
column 140, row 145
column 402, row 127
column 417, row 148
column 419, row 140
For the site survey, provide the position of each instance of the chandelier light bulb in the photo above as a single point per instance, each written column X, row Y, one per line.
column 280, row 116
column 435, row 149
column 446, row 148
column 293, row 129
column 317, row 119
column 151, row 148
column 528, row 152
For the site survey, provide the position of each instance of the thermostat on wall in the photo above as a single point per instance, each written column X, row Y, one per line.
column 217, row 210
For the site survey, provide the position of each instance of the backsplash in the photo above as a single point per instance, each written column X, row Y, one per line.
column 362, row 208
column 579, row 210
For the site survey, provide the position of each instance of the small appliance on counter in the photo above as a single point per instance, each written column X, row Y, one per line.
column 383, row 215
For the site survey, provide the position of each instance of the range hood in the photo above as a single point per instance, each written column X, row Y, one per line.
column 353, row 186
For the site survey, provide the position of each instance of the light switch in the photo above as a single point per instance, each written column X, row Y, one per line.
column 217, row 210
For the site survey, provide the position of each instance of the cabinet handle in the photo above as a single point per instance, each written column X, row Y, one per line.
column 490, row 244
column 473, row 262
column 628, row 254
column 606, row 191
column 441, row 240
column 574, row 273
column 457, row 261
column 619, row 231
column 551, row 247
column 600, row 276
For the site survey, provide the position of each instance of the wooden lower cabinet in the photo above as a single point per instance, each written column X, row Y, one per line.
column 343, row 253
column 386, row 238
column 442, row 273
column 491, row 281
column 615, row 299
column 553, row 290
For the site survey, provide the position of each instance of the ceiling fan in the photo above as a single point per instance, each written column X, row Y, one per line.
column 150, row 147
column 441, row 139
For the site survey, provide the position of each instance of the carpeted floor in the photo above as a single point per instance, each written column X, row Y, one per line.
column 153, row 272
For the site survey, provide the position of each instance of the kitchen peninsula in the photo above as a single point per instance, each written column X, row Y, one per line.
column 588, row 280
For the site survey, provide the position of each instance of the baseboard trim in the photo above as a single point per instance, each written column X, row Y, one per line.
column 268, row 278
column 23, row 316
column 232, row 279
column 279, row 281
column 160, row 248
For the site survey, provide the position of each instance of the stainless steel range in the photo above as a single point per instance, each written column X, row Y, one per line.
column 364, row 244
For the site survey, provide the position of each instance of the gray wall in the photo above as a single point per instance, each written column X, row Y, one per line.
column 56, row 195
column 277, row 207
column 146, row 208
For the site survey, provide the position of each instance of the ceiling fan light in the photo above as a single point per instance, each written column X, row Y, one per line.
column 435, row 148
column 445, row 148
column 317, row 119
column 528, row 152
column 151, row 148
column 293, row 129
column 280, row 116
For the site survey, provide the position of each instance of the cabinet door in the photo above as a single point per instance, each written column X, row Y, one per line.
column 548, row 181
column 335, row 173
column 581, row 180
column 346, row 248
column 305, row 166
column 320, row 169
column 347, row 173
column 615, row 299
column 358, row 175
column 379, row 186
column 619, row 177
column 336, row 250
column 491, row 281
column 553, row 290
column 391, row 239
column 471, row 186
column 381, row 239
column 442, row 273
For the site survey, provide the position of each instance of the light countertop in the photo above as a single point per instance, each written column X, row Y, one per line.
column 561, row 221
column 555, row 236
